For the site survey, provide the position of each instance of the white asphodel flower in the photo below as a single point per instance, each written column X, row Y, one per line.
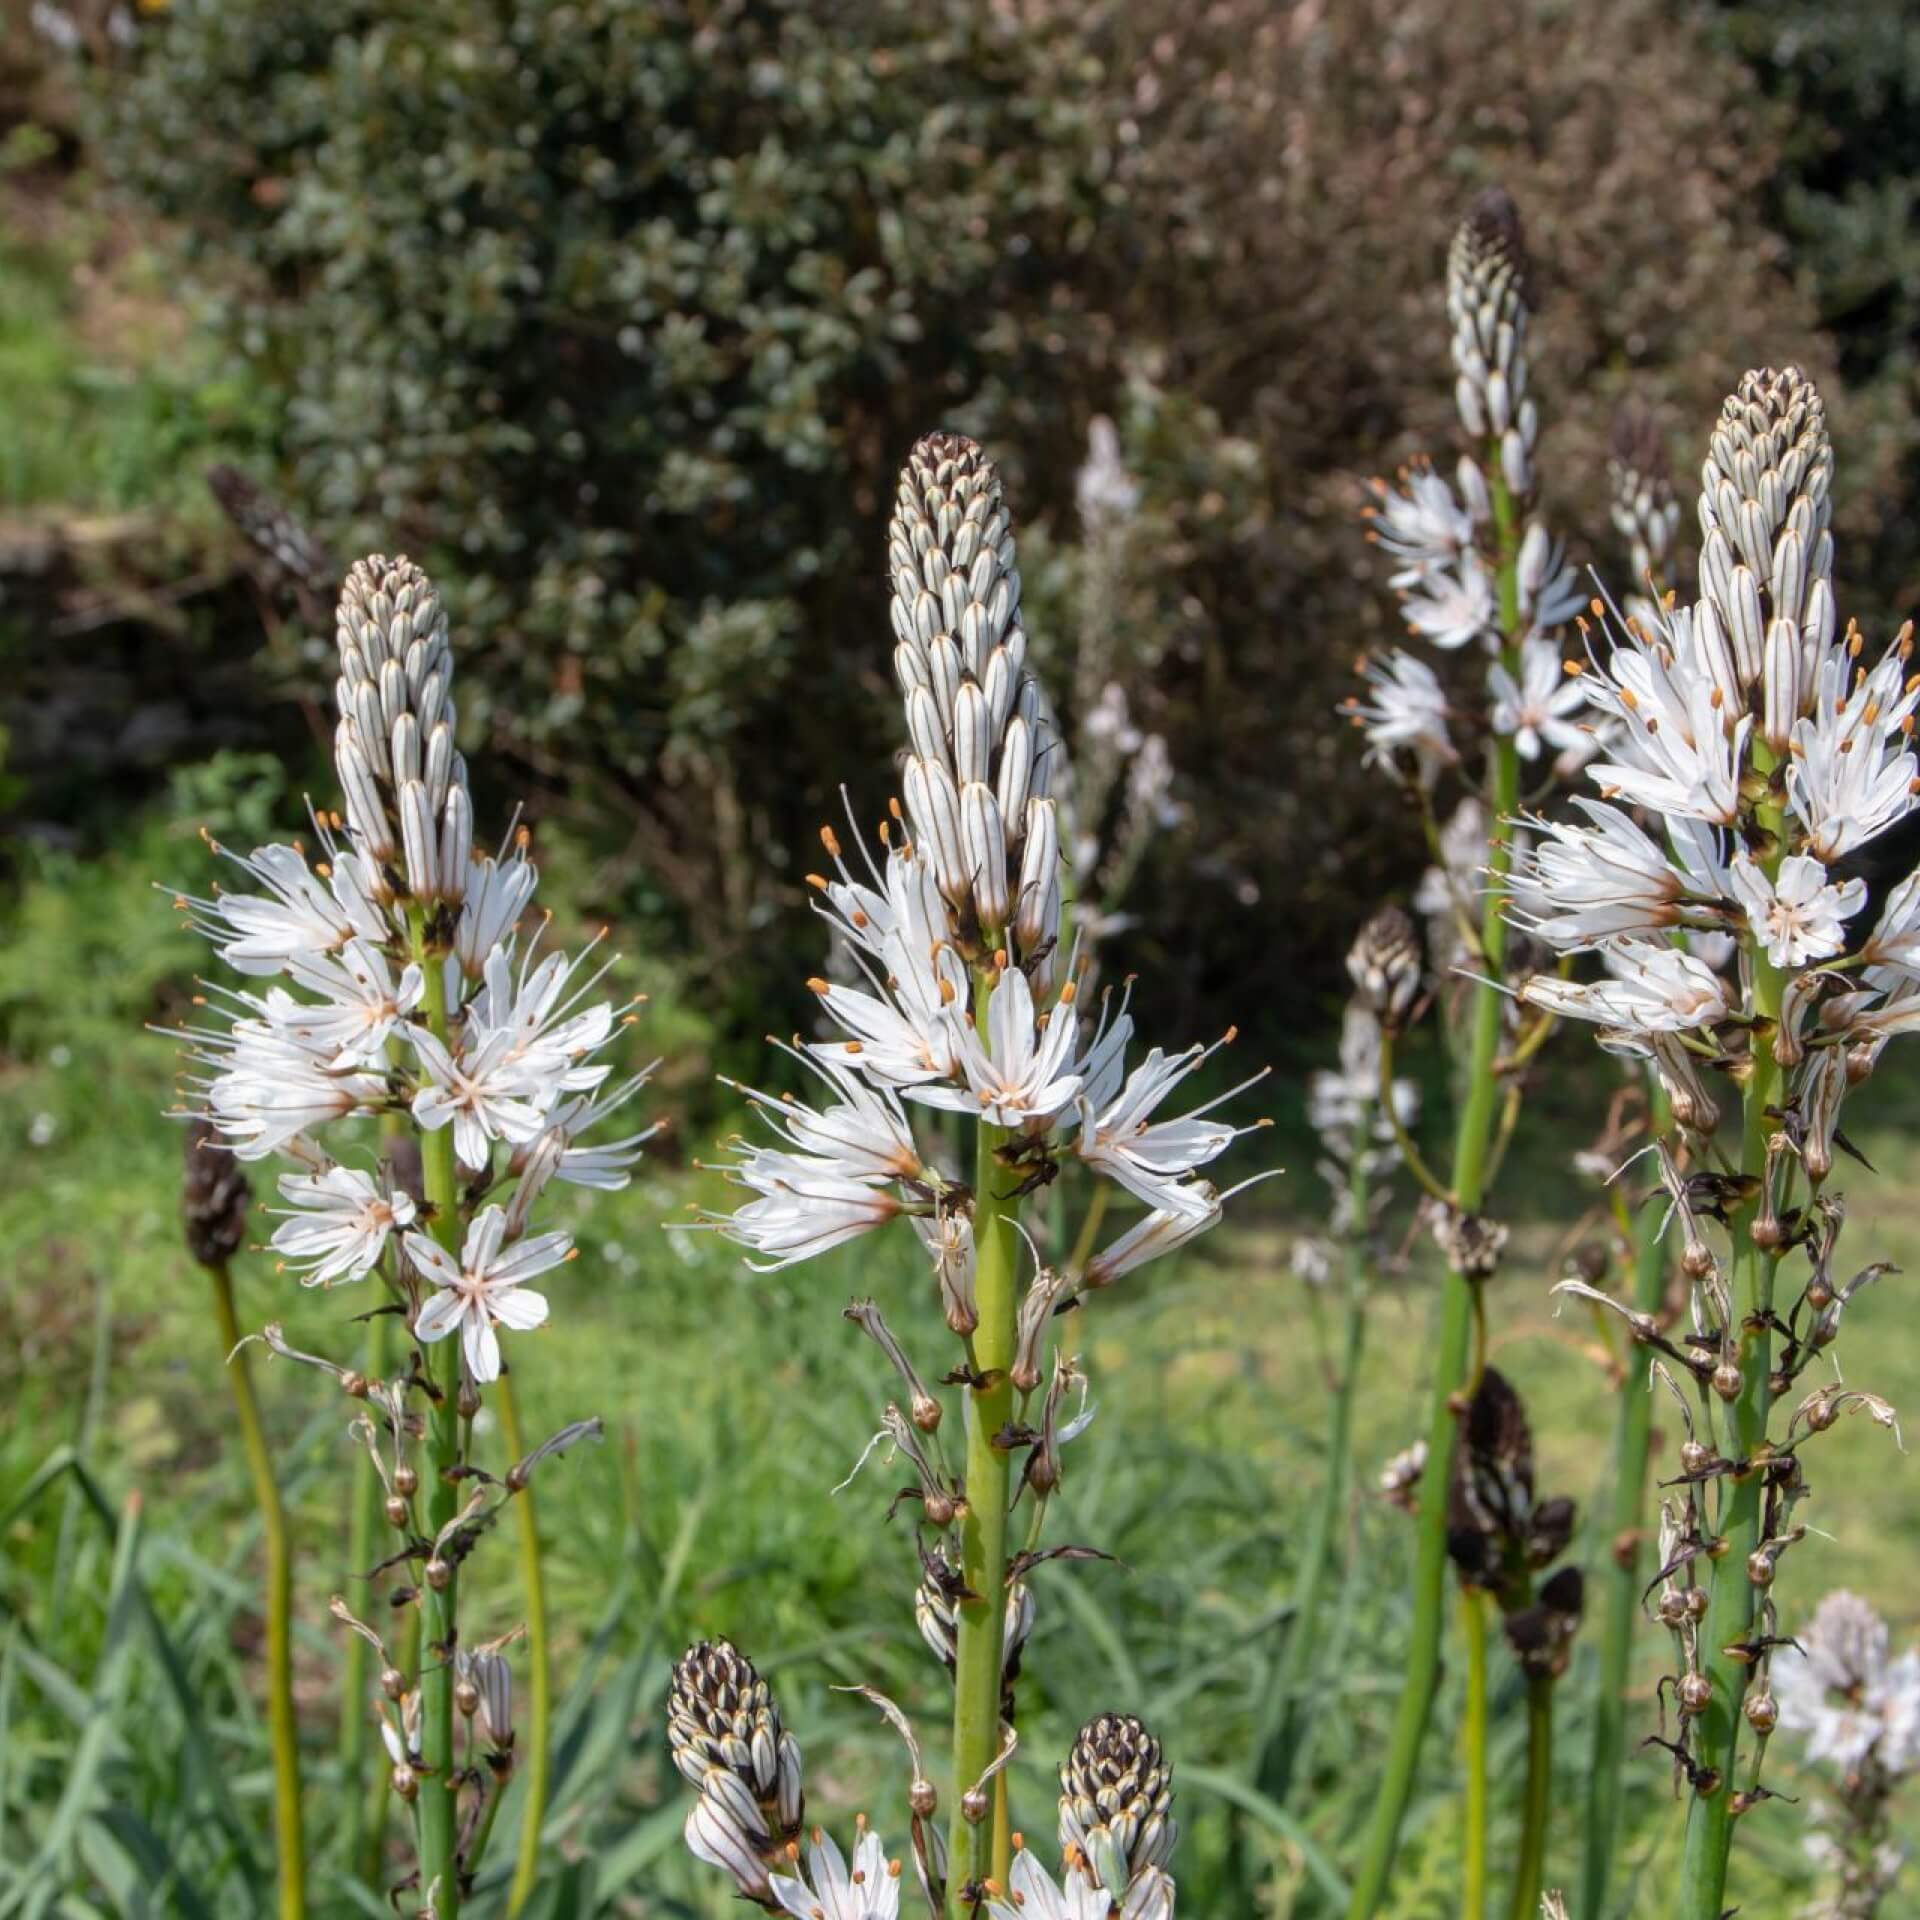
column 1406, row 712
column 1537, row 710
column 1024, row 1074
column 1801, row 915
column 519, row 1048
column 1654, row 988
column 486, row 1287
column 807, row 1205
column 1678, row 753
column 1579, row 886
column 298, row 915
column 1892, row 953
column 864, row 1132
column 1850, row 774
column 339, row 1225
column 1421, row 523
column 1034, row 1894
column 1155, row 1160
column 869, row 1889
column 1843, row 1688
column 270, row 1090
column 1451, row 606
column 360, row 1003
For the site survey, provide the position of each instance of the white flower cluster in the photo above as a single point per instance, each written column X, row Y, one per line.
column 397, row 927
column 1767, row 748
column 1844, row 1689
column 1438, row 534
column 956, row 936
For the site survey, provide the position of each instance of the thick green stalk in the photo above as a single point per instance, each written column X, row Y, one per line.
column 533, row 1585
column 437, row 1810
column 1633, row 1430
column 1537, row 1809
column 975, row 1851
column 1472, row 1141
column 1285, row 1723
column 360, row 1818
column 1731, row 1594
column 1473, row 1758
column 283, row 1729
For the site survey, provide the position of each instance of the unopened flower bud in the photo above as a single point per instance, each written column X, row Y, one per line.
column 1384, row 965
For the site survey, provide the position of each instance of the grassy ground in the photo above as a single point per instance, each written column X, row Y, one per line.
column 735, row 1403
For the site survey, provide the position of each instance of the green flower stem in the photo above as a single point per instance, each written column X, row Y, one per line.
column 1471, row 1144
column 533, row 1585
column 360, row 1812
column 1285, row 1725
column 1633, row 1431
column 1473, row 1757
column 1537, row 1809
column 1731, row 1595
column 283, row 1729
column 976, row 1851
column 438, row 1814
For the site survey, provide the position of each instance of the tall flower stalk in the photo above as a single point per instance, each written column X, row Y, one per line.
column 1767, row 750
column 1358, row 1112
column 1473, row 570
column 967, row 1005
column 393, row 990
column 214, row 1201
column 1647, row 516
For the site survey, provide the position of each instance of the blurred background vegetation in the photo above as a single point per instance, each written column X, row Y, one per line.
column 618, row 316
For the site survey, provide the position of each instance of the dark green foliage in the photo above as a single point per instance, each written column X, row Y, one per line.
column 619, row 317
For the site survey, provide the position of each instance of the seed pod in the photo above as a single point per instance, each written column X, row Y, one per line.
column 1695, row 1693
column 1762, row 1711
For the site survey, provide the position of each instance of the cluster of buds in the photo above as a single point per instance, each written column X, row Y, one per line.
column 1116, row 1813
column 1471, row 567
column 1117, row 1831
column 1646, row 511
column 724, row 1732
column 1500, row 1537
column 977, row 782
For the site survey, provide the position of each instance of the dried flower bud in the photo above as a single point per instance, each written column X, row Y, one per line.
column 213, row 1197
column 1472, row 1242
